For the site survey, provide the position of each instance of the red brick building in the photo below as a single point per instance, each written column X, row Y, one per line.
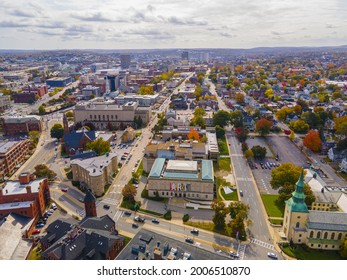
column 28, row 196
column 13, row 125
column 12, row 155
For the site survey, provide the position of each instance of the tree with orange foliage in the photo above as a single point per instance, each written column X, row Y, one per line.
column 263, row 126
column 193, row 134
column 313, row 141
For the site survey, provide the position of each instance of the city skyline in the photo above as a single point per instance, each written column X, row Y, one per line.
column 176, row 24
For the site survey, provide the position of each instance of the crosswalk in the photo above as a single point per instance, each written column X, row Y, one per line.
column 241, row 251
column 110, row 201
column 263, row 244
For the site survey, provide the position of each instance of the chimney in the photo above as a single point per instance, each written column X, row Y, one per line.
column 28, row 188
column 24, row 178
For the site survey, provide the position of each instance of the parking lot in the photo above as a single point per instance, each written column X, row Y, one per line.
column 286, row 151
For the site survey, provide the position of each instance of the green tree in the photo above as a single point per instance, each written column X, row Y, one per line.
column 263, row 126
column 342, row 144
column 236, row 118
column 99, row 146
column 221, row 118
column 57, row 131
column 198, row 121
column 69, row 114
column 199, row 112
column 285, row 192
column 238, row 208
column 286, row 173
column 300, row 126
column 336, row 95
column 34, row 136
column 249, row 154
column 259, row 152
column 129, row 192
column 220, row 132
column 42, row 171
column 343, row 250
column 220, row 213
column 42, row 110
column 341, row 125
column 146, row 90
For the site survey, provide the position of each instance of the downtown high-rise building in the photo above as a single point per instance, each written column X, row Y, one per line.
column 125, row 61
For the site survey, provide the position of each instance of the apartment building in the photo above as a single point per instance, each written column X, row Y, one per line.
column 12, row 155
column 27, row 197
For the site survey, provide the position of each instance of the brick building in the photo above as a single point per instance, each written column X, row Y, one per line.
column 27, row 197
column 94, row 238
column 40, row 90
column 24, row 97
column 12, row 155
column 13, row 125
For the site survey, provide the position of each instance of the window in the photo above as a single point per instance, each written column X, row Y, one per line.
column 325, row 235
column 339, row 236
column 297, row 224
column 333, row 235
column 326, row 246
column 318, row 234
column 298, row 217
column 333, row 246
column 311, row 245
column 162, row 193
column 300, row 235
column 299, row 240
column 318, row 245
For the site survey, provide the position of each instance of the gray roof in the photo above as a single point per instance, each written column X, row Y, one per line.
column 14, row 187
column 7, row 146
column 325, row 220
column 21, row 119
column 95, row 165
column 90, row 239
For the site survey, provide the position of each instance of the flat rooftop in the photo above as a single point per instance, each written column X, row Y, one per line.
column 7, row 146
column 95, row 165
column 14, row 187
column 146, row 244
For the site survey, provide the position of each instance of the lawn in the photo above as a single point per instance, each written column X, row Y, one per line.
column 139, row 170
column 273, row 209
column 223, row 146
column 231, row 196
column 35, row 254
column 223, row 164
column 311, row 254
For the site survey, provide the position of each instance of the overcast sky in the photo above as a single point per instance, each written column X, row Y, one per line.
column 137, row 24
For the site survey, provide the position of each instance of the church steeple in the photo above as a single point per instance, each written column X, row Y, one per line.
column 297, row 202
column 90, row 204
column 65, row 124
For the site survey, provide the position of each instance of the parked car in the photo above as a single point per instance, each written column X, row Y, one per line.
column 189, row 240
column 241, row 193
column 36, row 231
column 127, row 213
column 234, row 255
column 40, row 225
column 195, row 231
column 139, row 219
column 155, row 221
column 135, row 225
column 272, row 255
column 106, row 206
column 64, row 189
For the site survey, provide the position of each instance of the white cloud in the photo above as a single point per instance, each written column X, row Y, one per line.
column 176, row 23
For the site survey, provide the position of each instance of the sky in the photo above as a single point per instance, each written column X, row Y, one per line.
column 143, row 24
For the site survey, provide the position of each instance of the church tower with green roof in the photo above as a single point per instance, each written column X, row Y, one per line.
column 296, row 213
